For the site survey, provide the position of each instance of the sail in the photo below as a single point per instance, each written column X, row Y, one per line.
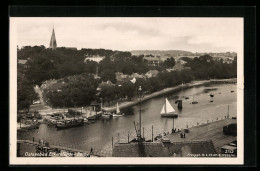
column 163, row 109
column 117, row 108
column 169, row 107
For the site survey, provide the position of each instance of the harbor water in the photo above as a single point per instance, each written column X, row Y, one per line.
column 103, row 132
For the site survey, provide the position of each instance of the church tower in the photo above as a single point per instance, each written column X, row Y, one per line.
column 53, row 43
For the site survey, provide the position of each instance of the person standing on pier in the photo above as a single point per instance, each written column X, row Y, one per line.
column 91, row 151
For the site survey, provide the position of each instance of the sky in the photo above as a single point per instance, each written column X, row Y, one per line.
column 126, row 34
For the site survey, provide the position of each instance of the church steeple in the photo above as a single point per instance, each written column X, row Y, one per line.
column 53, row 43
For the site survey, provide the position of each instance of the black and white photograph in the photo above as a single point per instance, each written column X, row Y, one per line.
column 88, row 90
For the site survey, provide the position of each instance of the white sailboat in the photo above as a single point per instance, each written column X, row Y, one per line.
column 118, row 113
column 168, row 110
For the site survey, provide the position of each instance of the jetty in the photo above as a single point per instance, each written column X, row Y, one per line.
column 203, row 140
column 208, row 131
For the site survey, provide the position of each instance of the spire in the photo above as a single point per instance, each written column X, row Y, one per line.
column 53, row 43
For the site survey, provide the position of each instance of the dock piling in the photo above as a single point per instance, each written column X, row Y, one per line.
column 152, row 133
column 228, row 112
column 143, row 132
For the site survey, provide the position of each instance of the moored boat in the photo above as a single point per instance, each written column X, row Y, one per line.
column 69, row 123
column 106, row 114
column 194, row 102
column 118, row 113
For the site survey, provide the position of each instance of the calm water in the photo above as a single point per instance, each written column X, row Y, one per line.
column 99, row 135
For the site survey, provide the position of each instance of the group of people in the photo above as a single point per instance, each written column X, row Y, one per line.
column 174, row 130
column 182, row 135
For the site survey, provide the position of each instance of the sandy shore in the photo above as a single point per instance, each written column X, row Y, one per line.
column 165, row 91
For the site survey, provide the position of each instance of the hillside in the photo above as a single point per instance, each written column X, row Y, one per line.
column 169, row 53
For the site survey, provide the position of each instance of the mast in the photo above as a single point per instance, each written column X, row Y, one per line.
column 165, row 105
column 117, row 108
column 173, row 123
column 228, row 112
column 140, row 121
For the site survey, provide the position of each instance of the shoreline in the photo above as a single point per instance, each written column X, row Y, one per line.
column 44, row 109
column 167, row 90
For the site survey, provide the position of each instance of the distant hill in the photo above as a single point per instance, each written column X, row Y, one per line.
column 168, row 53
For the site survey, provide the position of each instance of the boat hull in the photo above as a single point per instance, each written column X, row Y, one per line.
column 118, row 115
column 106, row 116
column 170, row 115
column 69, row 125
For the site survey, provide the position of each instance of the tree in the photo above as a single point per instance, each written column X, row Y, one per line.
column 79, row 90
column 169, row 62
column 25, row 94
column 128, row 90
column 108, row 75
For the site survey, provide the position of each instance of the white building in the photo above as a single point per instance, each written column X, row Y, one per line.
column 95, row 58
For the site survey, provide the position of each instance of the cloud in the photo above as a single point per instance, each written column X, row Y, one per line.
column 192, row 34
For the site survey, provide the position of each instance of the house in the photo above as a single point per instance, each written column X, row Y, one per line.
column 95, row 105
column 153, row 61
column 95, row 58
column 120, row 76
column 22, row 63
column 136, row 75
column 152, row 73
column 228, row 60
column 178, row 67
column 104, row 84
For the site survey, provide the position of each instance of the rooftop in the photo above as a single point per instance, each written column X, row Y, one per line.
column 22, row 62
column 160, row 149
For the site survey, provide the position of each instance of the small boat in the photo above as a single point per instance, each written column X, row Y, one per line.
column 106, row 114
column 118, row 113
column 69, row 124
column 194, row 102
column 168, row 110
column 85, row 120
column 232, row 91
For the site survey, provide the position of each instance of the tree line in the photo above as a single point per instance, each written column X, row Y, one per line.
column 79, row 88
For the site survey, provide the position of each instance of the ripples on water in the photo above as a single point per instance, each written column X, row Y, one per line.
column 99, row 134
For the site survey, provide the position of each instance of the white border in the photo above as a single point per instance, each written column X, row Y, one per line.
column 122, row 160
